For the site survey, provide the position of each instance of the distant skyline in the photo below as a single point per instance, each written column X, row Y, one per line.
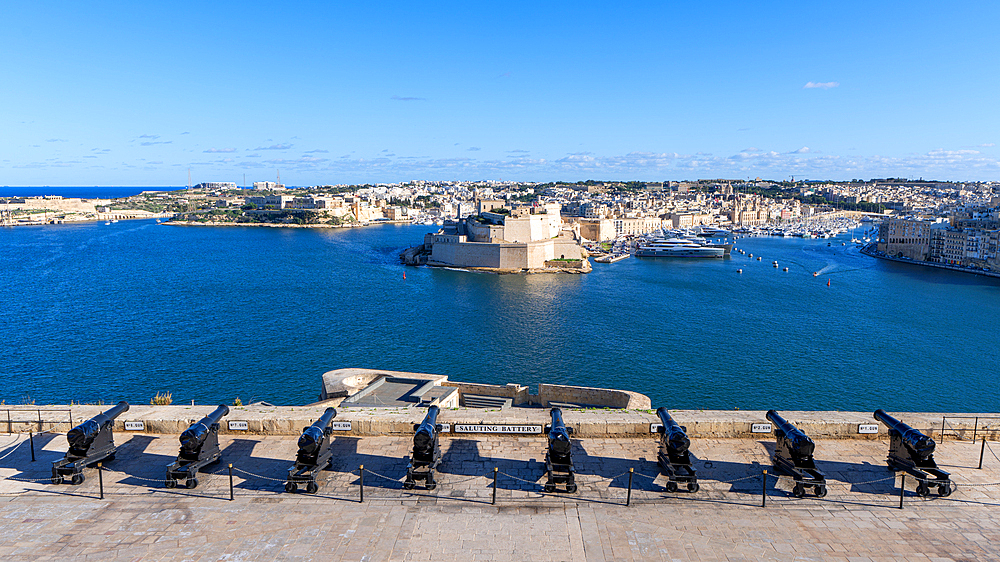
column 330, row 93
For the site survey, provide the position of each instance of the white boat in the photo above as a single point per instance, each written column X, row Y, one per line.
column 712, row 232
column 676, row 248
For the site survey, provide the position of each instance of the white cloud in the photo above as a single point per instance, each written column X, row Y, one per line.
column 221, row 150
column 821, row 85
column 988, row 144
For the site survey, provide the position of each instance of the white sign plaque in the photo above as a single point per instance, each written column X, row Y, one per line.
column 445, row 427
column 238, row 425
column 474, row 428
column 340, row 426
column 655, row 427
column 867, row 428
column 760, row 428
column 135, row 426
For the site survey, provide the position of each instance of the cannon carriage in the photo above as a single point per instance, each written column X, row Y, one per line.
column 673, row 455
column 314, row 454
column 199, row 448
column 426, row 454
column 912, row 452
column 559, row 456
column 793, row 456
column 91, row 442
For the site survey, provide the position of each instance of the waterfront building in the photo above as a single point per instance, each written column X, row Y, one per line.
column 214, row 185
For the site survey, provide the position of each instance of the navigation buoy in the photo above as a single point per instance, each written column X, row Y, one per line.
column 827, row 282
column 404, row 276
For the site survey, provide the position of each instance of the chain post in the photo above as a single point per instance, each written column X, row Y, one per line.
column 31, row 439
column 231, row 494
column 902, row 488
column 100, row 477
column 362, row 470
column 763, row 489
column 975, row 427
column 982, row 451
column 495, row 470
column 628, row 496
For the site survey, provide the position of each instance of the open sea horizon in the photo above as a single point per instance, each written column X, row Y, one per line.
column 99, row 312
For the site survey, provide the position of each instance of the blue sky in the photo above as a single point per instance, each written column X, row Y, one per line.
column 328, row 93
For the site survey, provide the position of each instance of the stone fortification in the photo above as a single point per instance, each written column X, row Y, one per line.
column 586, row 423
column 343, row 383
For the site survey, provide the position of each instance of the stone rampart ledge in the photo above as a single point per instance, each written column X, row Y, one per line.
column 289, row 420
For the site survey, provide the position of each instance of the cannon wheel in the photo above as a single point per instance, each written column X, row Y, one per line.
column 549, row 488
column 693, row 487
column 191, row 483
column 290, row 487
column 408, row 485
column 312, row 487
column 923, row 490
column 170, row 483
column 57, row 480
column 820, row 491
column 431, row 485
column 571, row 488
column 944, row 490
column 799, row 491
column 78, row 479
column 671, row 487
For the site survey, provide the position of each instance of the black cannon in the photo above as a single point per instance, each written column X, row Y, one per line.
column 793, row 456
column 913, row 452
column 314, row 454
column 199, row 447
column 559, row 456
column 426, row 452
column 91, row 442
column 673, row 455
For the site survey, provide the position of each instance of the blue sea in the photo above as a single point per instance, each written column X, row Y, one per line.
column 108, row 312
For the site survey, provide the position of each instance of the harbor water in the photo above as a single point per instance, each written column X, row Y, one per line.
column 95, row 312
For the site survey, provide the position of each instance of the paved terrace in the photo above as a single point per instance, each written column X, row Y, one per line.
column 859, row 520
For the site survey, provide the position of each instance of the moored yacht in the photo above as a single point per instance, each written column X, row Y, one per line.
column 676, row 248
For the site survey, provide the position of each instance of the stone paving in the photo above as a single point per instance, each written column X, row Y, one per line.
column 139, row 519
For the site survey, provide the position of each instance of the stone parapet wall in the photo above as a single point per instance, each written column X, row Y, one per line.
column 624, row 399
column 589, row 423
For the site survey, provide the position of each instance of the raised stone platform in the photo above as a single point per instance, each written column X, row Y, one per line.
column 859, row 520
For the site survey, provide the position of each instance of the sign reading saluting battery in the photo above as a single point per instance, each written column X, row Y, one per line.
column 473, row 428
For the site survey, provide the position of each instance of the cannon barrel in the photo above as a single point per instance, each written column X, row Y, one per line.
column 558, row 436
column 918, row 443
column 423, row 439
column 312, row 436
column 194, row 436
column 799, row 442
column 81, row 436
column 676, row 439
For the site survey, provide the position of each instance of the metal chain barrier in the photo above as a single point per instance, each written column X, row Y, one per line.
column 991, row 451
column 16, row 447
column 258, row 476
column 372, row 472
column 532, row 482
